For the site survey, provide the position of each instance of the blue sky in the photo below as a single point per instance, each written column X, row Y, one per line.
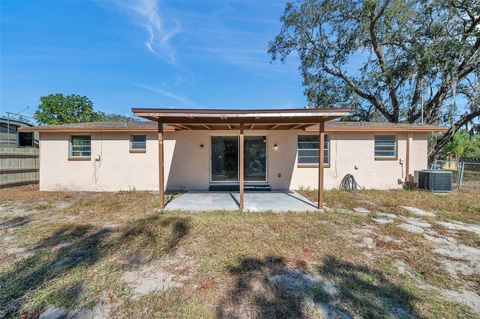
column 146, row 53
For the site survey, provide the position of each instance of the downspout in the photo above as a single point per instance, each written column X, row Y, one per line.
column 408, row 176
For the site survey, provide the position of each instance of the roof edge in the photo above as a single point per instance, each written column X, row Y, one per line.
column 329, row 127
column 239, row 111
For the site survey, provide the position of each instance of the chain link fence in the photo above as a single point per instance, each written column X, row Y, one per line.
column 465, row 173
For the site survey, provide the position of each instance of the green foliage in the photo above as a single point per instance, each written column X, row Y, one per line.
column 384, row 57
column 61, row 109
column 463, row 145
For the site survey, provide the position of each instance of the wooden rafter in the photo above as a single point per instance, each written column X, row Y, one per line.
column 184, row 127
column 297, row 126
column 301, row 126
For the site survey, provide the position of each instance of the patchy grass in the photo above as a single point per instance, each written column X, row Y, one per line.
column 461, row 205
column 77, row 246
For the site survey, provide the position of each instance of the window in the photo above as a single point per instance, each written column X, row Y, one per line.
column 385, row 146
column 26, row 139
column 308, row 150
column 6, row 128
column 80, row 146
column 138, row 143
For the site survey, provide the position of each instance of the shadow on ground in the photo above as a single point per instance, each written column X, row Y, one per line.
column 268, row 288
column 15, row 222
column 75, row 246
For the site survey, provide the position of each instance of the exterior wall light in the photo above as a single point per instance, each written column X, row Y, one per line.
column 201, row 145
column 275, row 146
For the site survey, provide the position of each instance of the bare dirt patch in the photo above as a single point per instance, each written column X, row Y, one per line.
column 114, row 254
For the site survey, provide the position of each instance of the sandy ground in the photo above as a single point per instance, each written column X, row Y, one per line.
column 459, row 260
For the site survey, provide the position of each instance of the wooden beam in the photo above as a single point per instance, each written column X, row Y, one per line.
column 244, row 120
column 275, row 126
column 407, row 159
column 303, row 127
column 294, row 127
column 206, row 126
column 321, row 147
column 242, row 170
column 229, row 126
column 160, row 166
column 252, row 126
column 182, row 126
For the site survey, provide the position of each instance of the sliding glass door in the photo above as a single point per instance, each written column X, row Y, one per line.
column 255, row 159
column 225, row 159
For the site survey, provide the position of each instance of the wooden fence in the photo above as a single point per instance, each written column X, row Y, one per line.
column 18, row 166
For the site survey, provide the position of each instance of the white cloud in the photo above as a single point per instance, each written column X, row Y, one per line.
column 182, row 99
column 147, row 14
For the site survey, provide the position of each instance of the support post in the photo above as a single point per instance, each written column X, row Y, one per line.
column 408, row 177
column 242, row 170
column 321, row 147
column 160, row 166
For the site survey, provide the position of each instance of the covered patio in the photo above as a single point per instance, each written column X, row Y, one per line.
column 276, row 201
column 241, row 121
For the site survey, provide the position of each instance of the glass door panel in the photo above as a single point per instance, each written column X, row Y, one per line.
column 255, row 158
column 224, row 158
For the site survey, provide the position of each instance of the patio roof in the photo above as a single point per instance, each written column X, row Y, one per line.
column 146, row 127
column 258, row 119
column 241, row 120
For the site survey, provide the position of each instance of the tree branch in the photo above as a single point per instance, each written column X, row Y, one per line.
column 416, row 96
column 373, row 99
column 381, row 61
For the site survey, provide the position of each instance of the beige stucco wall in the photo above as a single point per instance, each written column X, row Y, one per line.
column 187, row 165
column 353, row 153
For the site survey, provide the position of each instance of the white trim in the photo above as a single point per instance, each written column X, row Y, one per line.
column 131, row 143
column 394, row 156
column 327, row 138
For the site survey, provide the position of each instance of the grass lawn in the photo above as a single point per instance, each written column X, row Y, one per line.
column 114, row 255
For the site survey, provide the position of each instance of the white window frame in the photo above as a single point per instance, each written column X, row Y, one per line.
column 137, row 150
column 385, row 157
column 326, row 150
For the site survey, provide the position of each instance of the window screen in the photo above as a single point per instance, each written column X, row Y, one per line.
column 308, row 149
column 80, row 145
column 385, row 146
column 138, row 142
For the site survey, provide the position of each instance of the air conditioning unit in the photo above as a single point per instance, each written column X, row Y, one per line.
column 434, row 180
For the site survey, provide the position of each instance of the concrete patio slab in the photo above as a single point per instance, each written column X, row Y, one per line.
column 198, row 201
column 277, row 201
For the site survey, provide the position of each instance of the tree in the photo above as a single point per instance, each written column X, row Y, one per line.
column 463, row 145
column 60, row 109
column 405, row 60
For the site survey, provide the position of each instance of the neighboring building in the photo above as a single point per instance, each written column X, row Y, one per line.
column 11, row 137
column 201, row 151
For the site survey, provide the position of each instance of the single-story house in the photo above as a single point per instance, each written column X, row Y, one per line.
column 204, row 149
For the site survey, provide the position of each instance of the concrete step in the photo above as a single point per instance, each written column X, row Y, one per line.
column 236, row 188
